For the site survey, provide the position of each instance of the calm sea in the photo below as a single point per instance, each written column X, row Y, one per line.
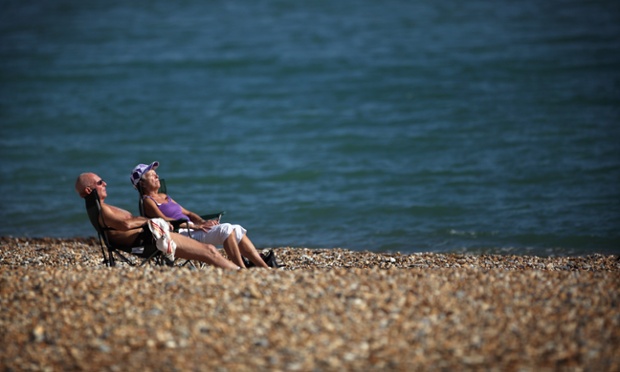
column 413, row 126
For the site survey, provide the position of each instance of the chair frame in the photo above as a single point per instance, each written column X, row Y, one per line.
column 270, row 258
column 93, row 209
column 176, row 223
column 164, row 189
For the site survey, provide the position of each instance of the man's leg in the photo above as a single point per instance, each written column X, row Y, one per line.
column 191, row 249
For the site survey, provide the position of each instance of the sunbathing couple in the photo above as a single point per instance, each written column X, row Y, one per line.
column 129, row 231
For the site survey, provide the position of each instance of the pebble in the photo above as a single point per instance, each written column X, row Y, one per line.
column 326, row 309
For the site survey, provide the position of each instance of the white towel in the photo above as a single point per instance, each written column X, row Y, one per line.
column 161, row 232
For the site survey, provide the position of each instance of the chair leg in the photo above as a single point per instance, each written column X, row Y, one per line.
column 191, row 265
column 154, row 255
column 111, row 261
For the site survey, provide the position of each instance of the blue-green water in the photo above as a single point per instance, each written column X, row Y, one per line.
column 446, row 126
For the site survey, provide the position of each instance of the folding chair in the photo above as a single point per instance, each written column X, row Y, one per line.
column 176, row 224
column 146, row 252
column 270, row 258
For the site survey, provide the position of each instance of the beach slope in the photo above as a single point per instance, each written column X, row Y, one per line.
column 327, row 309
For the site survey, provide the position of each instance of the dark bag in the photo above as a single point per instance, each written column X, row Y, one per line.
column 269, row 258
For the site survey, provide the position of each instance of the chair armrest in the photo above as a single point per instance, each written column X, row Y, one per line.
column 213, row 216
column 177, row 223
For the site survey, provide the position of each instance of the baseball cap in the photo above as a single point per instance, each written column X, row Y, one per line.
column 140, row 170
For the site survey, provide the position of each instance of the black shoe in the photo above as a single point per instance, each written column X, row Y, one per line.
column 269, row 259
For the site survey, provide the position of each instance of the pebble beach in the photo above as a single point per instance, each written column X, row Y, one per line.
column 325, row 310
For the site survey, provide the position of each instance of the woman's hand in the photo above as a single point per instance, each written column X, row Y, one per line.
column 207, row 225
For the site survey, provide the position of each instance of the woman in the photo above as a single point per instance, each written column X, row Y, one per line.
column 156, row 204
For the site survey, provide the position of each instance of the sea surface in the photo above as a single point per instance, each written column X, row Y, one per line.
column 413, row 126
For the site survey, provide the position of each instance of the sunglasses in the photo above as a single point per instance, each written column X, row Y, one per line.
column 99, row 183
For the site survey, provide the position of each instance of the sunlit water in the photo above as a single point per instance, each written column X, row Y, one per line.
column 387, row 126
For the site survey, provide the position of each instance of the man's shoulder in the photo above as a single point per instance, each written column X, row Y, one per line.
column 115, row 209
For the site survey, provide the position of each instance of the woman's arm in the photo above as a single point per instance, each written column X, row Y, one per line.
column 193, row 216
column 152, row 211
column 197, row 220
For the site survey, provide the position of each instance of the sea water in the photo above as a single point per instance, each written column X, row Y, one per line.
column 411, row 126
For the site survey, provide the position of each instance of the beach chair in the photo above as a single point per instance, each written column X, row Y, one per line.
column 144, row 253
column 270, row 258
column 177, row 223
column 164, row 189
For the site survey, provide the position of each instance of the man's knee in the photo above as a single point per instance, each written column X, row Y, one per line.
column 210, row 247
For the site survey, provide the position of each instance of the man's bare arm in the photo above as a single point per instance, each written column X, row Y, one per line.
column 120, row 219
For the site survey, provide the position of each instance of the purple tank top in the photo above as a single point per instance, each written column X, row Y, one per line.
column 171, row 209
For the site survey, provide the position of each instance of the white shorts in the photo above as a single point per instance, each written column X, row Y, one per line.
column 217, row 234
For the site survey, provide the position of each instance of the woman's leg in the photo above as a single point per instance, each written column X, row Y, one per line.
column 227, row 234
column 232, row 250
column 249, row 251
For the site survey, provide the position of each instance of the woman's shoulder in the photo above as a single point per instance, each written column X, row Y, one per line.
column 165, row 198
column 158, row 199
